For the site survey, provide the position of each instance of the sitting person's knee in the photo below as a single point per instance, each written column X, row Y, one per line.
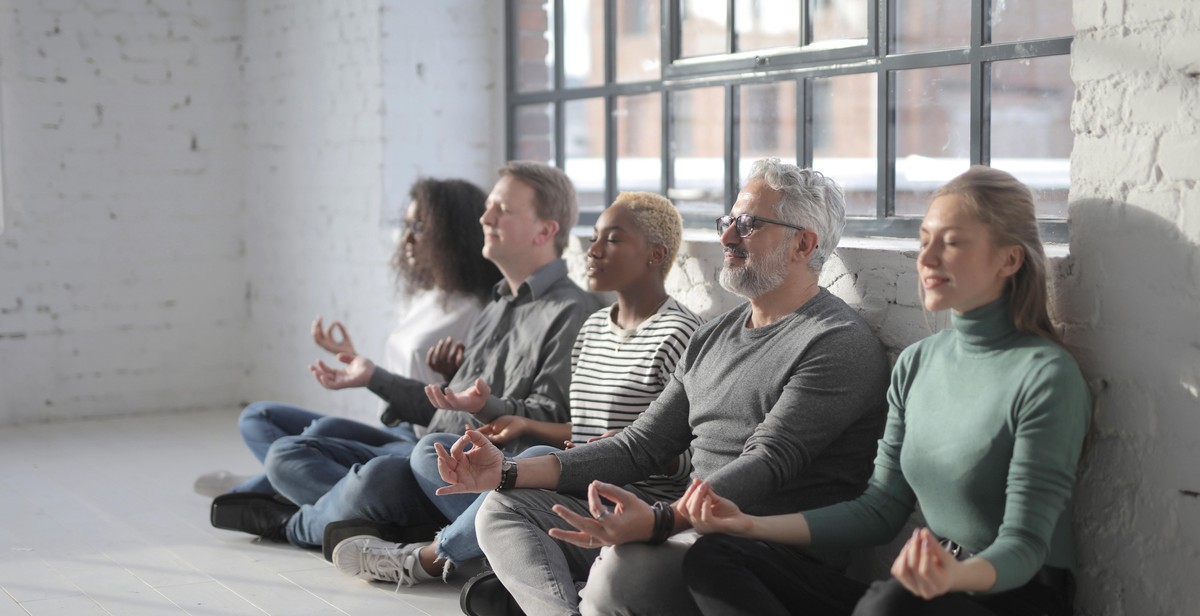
column 424, row 452
column 707, row 550
column 283, row 448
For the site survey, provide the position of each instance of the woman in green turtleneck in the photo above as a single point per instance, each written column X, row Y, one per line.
column 984, row 432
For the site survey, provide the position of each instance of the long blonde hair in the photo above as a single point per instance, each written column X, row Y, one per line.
column 1005, row 206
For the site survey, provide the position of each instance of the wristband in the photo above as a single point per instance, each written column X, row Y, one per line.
column 664, row 523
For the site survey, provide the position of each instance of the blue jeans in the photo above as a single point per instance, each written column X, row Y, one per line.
column 457, row 542
column 263, row 423
column 381, row 489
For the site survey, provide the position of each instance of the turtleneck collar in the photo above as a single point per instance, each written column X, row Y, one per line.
column 985, row 327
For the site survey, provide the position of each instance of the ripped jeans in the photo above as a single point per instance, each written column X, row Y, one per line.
column 457, row 542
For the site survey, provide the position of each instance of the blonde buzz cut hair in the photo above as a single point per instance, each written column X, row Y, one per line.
column 658, row 219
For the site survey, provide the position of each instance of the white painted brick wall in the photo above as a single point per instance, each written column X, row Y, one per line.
column 443, row 68
column 313, row 192
column 120, row 261
column 1131, row 302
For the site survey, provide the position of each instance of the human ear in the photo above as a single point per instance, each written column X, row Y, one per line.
column 807, row 244
column 1014, row 258
column 658, row 254
column 549, row 229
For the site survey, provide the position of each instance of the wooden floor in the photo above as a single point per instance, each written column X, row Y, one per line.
column 99, row 517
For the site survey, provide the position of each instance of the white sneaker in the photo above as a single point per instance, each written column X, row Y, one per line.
column 382, row 560
column 216, row 483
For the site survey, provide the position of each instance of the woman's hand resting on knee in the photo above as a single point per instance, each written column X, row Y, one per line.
column 927, row 570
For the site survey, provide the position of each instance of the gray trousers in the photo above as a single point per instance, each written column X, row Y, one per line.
column 541, row 571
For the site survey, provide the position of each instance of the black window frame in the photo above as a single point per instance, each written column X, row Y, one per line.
column 732, row 70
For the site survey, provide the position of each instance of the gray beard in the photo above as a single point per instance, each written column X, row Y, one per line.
column 755, row 279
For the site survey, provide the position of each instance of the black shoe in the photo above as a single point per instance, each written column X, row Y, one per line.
column 336, row 532
column 484, row 595
column 264, row 515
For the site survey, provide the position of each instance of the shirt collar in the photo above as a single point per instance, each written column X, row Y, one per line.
column 536, row 285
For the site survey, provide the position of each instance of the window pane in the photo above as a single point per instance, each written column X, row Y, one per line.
column 703, row 27
column 768, row 123
column 639, row 143
column 834, row 20
column 584, row 149
column 763, row 24
column 639, row 54
column 1031, row 127
column 1024, row 20
column 844, row 112
column 535, row 45
column 583, row 43
column 923, row 25
column 533, row 134
column 698, row 152
column 933, row 142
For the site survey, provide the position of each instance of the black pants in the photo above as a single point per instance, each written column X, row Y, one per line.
column 727, row 575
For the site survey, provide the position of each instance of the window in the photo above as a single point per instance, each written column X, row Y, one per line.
column 1, row 173
column 889, row 97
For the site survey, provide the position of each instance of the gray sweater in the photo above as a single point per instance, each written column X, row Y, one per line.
column 781, row 418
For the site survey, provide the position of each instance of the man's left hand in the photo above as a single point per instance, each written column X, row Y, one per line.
column 631, row 520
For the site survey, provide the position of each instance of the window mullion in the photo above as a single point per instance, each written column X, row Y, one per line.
column 733, row 149
column 980, row 117
column 804, row 119
column 885, row 197
column 610, row 102
column 885, row 144
column 731, row 28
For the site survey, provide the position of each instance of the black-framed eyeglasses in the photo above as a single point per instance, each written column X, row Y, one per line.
column 415, row 227
column 747, row 223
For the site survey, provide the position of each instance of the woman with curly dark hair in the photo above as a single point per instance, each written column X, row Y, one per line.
column 443, row 281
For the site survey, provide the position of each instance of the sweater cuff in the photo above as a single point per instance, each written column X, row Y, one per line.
column 493, row 407
column 378, row 383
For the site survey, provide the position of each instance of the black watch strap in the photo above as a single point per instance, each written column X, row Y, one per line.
column 508, row 475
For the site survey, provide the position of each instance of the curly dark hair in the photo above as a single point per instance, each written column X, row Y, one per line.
column 449, row 211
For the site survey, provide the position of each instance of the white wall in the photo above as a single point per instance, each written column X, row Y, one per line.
column 121, row 266
column 1130, row 301
column 313, row 192
column 443, row 80
column 347, row 104
column 139, row 274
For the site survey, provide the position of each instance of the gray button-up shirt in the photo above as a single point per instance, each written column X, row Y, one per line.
column 519, row 344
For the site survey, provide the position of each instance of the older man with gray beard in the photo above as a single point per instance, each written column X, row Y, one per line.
column 781, row 400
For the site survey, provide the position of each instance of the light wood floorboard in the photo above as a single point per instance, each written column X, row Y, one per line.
column 99, row 517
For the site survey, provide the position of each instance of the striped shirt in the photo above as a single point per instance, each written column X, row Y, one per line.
column 616, row 374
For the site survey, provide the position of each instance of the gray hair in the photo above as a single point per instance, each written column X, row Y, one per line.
column 809, row 200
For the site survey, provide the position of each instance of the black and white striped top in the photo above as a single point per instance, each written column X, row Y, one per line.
column 617, row 373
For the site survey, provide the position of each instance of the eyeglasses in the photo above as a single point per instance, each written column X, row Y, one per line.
column 747, row 223
column 415, row 227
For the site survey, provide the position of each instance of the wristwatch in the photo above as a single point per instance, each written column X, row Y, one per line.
column 508, row 475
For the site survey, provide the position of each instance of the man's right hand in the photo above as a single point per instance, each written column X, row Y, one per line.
column 476, row 470
column 357, row 372
column 445, row 357
column 327, row 338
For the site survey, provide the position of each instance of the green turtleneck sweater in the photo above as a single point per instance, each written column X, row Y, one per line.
column 984, row 431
